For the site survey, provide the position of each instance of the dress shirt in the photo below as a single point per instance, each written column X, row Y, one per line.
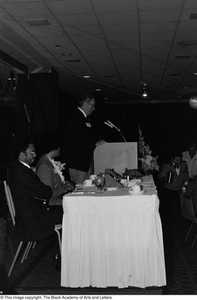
column 191, row 163
column 83, row 112
column 26, row 165
column 177, row 168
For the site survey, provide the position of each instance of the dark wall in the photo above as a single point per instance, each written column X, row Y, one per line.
column 165, row 126
column 37, row 103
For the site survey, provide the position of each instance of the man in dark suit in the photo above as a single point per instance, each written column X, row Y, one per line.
column 80, row 141
column 33, row 216
column 173, row 176
column 50, row 172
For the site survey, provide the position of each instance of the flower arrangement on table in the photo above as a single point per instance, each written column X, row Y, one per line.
column 149, row 163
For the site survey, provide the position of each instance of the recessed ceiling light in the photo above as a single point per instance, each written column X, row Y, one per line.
column 72, row 60
column 98, row 90
column 86, row 76
column 193, row 15
column 187, row 43
column 182, row 56
column 195, row 73
column 174, row 74
column 66, row 54
column 37, row 22
column 108, row 76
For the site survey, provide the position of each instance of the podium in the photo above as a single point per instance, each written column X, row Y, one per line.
column 117, row 156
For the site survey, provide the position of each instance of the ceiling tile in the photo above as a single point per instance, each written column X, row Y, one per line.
column 190, row 25
column 32, row 9
column 158, row 27
column 90, row 30
column 192, row 4
column 77, row 19
column 159, row 16
column 119, row 28
column 159, row 4
column 69, row 7
column 114, row 6
column 116, row 18
column 155, row 36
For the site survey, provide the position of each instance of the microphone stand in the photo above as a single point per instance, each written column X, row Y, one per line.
column 120, row 132
column 110, row 124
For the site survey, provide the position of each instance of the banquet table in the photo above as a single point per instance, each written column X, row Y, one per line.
column 113, row 239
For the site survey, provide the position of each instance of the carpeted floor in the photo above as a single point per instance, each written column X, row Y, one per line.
column 38, row 275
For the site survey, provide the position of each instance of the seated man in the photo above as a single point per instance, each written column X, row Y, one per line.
column 50, row 173
column 33, row 215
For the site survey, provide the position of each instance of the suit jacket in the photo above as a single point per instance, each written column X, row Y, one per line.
column 177, row 180
column 191, row 192
column 79, row 142
column 47, row 175
column 33, row 217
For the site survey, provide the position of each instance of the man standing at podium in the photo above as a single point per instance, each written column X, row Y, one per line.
column 80, row 141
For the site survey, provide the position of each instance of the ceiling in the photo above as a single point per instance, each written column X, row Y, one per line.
column 120, row 44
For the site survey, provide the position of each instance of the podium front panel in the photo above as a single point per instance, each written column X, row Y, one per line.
column 117, row 156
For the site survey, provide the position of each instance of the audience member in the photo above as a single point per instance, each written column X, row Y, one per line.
column 190, row 157
column 34, row 218
column 173, row 176
column 50, row 172
column 80, row 141
column 191, row 192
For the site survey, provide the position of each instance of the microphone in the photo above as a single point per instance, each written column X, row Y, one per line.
column 112, row 125
column 108, row 124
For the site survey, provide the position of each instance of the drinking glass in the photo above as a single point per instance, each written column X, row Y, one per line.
column 100, row 183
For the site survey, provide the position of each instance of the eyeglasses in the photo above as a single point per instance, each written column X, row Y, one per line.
column 92, row 104
column 33, row 152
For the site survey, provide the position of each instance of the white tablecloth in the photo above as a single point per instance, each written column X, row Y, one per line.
column 113, row 239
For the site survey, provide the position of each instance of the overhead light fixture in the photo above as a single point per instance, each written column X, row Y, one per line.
column 193, row 15
column 187, row 43
column 174, row 74
column 108, row 76
column 98, row 90
column 86, row 76
column 72, row 60
column 145, row 90
column 37, row 22
column 182, row 56
column 66, row 54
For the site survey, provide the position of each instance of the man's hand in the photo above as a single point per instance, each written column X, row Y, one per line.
column 101, row 142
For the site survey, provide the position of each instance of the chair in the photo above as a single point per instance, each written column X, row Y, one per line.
column 30, row 244
column 12, row 212
column 187, row 211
